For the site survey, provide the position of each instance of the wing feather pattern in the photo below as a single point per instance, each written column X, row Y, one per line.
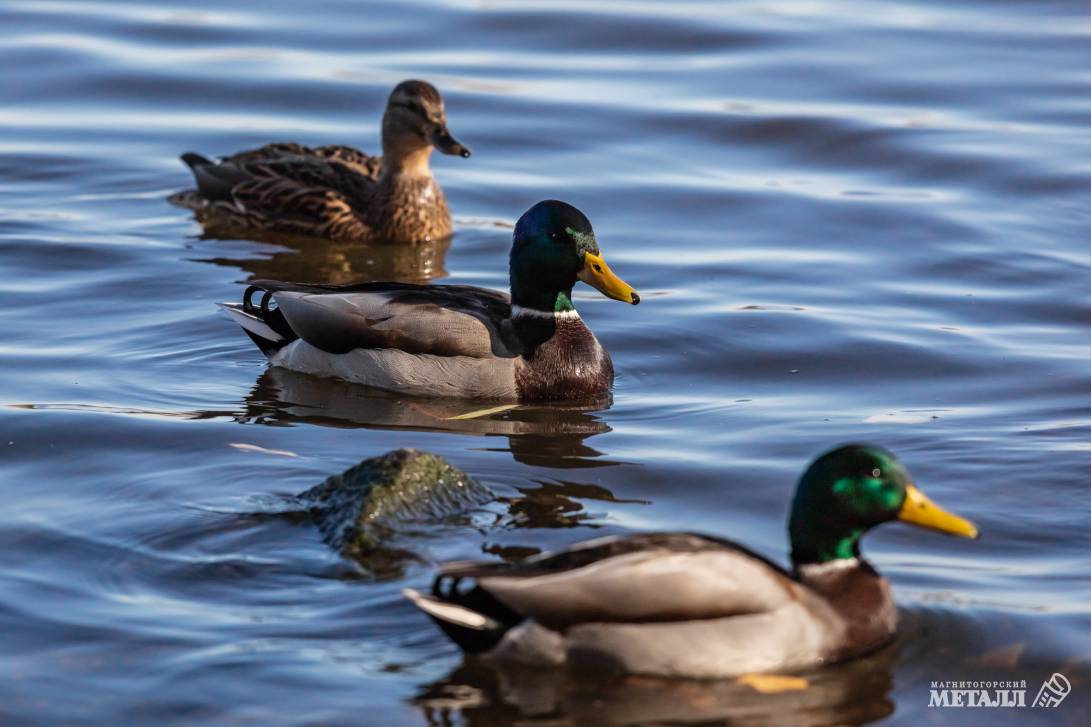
column 438, row 320
column 644, row 578
column 290, row 181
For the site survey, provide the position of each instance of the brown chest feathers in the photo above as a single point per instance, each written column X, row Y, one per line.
column 562, row 360
column 406, row 209
column 863, row 600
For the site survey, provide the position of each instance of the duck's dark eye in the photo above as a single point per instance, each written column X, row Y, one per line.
column 555, row 235
column 876, row 472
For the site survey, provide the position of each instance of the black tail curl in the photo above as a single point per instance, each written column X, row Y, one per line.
column 473, row 641
column 271, row 317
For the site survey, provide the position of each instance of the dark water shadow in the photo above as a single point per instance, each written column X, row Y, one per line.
column 548, row 435
column 557, row 504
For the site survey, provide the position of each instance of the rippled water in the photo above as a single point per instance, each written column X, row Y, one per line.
column 848, row 221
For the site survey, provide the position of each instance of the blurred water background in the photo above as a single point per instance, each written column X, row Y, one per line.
column 848, row 221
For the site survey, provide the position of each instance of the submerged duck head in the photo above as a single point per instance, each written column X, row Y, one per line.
column 415, row 121
column 553, row 247
column 848, row 491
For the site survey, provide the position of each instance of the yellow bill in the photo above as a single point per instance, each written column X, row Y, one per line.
column 919, row 510
column 599, row 276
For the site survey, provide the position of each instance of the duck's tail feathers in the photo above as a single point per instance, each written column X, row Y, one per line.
column 472, row 631
column 266, row 326
column 194, row 160
column 216, row 180
column 192, row 199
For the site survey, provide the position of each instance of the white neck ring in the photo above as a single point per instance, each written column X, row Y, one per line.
column 518, row 311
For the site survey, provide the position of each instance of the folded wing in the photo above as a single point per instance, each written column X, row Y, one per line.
column 440, row 320
column 264, row 177
column 647, row 578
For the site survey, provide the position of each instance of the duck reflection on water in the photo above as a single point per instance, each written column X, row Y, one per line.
column 477, row 694
column 311, row 259
column 548, row 436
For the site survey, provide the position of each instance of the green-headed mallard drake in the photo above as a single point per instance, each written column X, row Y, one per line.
column 678, row 604
column 336, row 192
column 453, row 340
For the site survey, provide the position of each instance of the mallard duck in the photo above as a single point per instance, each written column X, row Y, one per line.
column 453, row 340
column 679, row 604
column 336, row 192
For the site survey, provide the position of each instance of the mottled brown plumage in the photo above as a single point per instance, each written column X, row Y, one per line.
column 336, row 192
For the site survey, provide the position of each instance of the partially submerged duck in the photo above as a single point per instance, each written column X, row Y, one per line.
column 336, row 192
column 679, row 604
column 453, row 340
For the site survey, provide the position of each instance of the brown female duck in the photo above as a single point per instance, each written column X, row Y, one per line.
column 336, row 192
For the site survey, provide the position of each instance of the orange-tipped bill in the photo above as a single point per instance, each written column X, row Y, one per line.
column 599, row 276
column 919, row 510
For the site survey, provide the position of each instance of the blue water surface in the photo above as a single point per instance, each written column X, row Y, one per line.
column 848, row 221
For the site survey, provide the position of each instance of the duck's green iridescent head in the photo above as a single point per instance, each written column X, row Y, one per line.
column 553, row 247
column 850, row 490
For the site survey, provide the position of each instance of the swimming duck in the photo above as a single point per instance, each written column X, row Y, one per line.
column 453, row 340
column 336, row 192
column 679, row 604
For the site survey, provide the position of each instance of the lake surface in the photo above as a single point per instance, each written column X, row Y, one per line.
column 847, row 221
